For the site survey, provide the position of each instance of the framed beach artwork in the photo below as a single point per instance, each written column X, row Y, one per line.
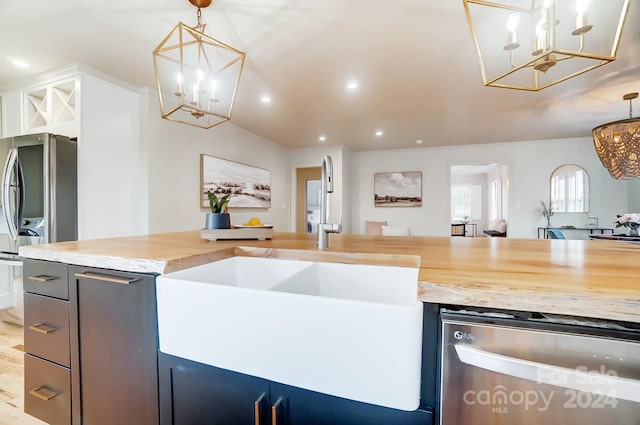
column 249, row 187
column 402, row 189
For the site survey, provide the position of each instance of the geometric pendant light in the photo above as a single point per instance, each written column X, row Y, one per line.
column 197, row 76
column 618, row 144
column 534, row 44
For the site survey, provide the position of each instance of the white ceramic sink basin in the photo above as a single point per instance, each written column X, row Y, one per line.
column 353, row 331
column 242, row 272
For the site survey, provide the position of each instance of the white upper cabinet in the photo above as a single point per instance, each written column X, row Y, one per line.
column 51, row 108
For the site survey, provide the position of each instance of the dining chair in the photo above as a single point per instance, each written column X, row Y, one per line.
column 555, row 234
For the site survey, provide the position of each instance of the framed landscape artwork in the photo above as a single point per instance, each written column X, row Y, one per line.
column 403, row 189
column 249, row 187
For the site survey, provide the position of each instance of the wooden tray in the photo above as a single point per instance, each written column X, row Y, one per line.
column 259, row 233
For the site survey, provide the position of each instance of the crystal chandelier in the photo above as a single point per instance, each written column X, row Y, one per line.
column 618, row 144
column 533, row 44
column 197, row 76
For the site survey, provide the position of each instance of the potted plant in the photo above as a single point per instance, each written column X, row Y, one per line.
column 218, row 218
column 547, row 211
column 629, row 220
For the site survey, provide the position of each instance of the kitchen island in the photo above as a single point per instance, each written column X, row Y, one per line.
column 598, row 279
column 108, row 288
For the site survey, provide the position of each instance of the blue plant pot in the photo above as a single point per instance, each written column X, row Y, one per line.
column 218, row 221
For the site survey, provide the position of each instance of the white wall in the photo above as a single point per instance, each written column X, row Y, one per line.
column 174, row 171
column 529, row 163
column 634, row 196
column 432, row 218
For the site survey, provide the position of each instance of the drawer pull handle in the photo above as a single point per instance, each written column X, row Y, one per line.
column 42, row 278
column 256, row 409
column 274, row 411
column 107, row 278
column 42, row 328
column 44, row 393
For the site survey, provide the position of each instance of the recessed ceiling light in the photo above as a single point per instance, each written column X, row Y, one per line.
column 322, row 138
column 379, row 133
column 19, row 63
column 419, row 141
column 352, row 85
column 265, row 98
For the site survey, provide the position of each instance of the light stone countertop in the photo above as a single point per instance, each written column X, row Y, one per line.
column 599, row 279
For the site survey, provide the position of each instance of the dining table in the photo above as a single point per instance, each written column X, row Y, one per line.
column 617, row 237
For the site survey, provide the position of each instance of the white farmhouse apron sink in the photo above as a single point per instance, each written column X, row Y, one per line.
column 349, row 330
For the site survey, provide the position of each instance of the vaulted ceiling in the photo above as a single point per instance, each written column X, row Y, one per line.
column 418, row 74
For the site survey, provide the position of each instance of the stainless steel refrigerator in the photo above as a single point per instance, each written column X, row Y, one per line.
column 38, row 204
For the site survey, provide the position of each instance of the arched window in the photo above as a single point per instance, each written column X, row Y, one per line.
column 570, row 189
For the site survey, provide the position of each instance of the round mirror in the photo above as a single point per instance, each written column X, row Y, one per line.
column 570, row 189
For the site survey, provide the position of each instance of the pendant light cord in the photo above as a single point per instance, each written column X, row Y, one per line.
column 630, row 97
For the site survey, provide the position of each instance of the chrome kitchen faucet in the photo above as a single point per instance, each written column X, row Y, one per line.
column 326, row 187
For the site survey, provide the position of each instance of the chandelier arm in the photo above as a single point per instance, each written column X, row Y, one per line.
column 513, row 65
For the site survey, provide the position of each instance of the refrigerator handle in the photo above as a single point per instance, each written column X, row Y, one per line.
column 12, row 263
column 6, row 194
column 21, row 197
column 542, row 373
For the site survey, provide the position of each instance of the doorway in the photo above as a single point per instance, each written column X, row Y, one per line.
column 479, row 196
column 307, row 199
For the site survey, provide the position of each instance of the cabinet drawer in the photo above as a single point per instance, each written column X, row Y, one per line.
column 47, row 391
column 46, row 328
column 46, row 278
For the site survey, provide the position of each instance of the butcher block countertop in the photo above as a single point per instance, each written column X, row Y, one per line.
column 594, row 278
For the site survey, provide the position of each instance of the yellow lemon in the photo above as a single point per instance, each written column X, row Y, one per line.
column 254, row 221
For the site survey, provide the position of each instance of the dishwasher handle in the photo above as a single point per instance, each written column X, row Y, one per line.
column 542, row 373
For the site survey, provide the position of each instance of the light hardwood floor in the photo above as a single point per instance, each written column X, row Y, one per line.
column 12, row 377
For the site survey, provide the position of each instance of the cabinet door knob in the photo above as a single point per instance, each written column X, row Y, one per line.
column 43, row 393
column 106, row 278
column 42, row 328
column 256, row 409
column 42, row 278
column 274, row 411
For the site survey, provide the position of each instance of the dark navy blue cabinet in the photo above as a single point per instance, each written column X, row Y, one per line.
column 195, row 394
column 300, row 407
column 192, row 393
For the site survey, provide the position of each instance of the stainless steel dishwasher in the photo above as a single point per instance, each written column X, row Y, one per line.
column 499, row 368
